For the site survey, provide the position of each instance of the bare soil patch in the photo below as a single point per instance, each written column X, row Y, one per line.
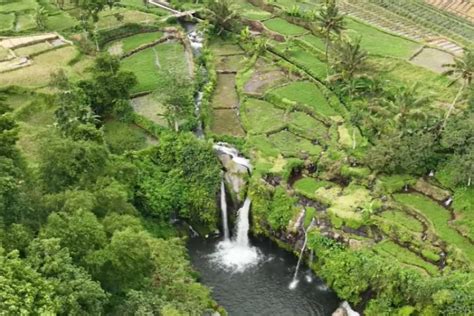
column 433, row 59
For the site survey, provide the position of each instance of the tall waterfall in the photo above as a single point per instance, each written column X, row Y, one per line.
column 242, row 237
column 235, row 254
column 225, row 225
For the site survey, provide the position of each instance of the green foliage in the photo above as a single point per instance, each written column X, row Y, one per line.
column 281, row 210
column 65, row 163
column 121, row 137
column 223, row 15
column 109, row 89
column 189, row 177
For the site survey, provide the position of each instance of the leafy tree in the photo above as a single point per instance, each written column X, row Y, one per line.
column 75, row 293
column 462, row 69
column 109, row 89
column 22, row 289
column 74, row 117
column 178, row 101
column 222, row 15
column 125, row 263
column 80, row 232
column 349, row 59
column 330, row 21
column 65, row 163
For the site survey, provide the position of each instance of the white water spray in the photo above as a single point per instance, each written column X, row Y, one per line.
column 234, row 153
column 237, row 255
column 448, row 201
column 225, row 225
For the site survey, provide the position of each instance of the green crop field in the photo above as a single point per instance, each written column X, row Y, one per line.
column 439, row 218
column 261, row 117
column 405, row 256
column 152, row 65
column 380, row 43
column 308, row 186
column 284, row 27
column 291, row 145
column 403, row 219
column 307, row 93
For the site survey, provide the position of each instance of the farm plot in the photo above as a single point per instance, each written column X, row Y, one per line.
column 439, row 218
column 291, row 145
column 391, row 250
column 150, row 107
column 433, row 59
column 284, row 27
column 304, row 59
column 128, row 44
column 306, row 93
column 108, row 18
column 264, row 76
column 153, row 66
column 308, row 186
column 226, row 122
column 261, row 117
column 225, row 95
column 403, row 219
column 250, row 11
column 38, row 73
column 6, row 22
column 380, row 43
column 463, row 206
column 304, row 125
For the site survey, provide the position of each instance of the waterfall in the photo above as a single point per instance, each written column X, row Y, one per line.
column 242, row 237
column 295, row 281
column 448, row 201
column 235, row 255
column 225, row 225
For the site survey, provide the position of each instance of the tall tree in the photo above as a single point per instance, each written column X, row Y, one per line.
column 349, row 59
column 222, row 14
column 462, row 69
column 330, row 21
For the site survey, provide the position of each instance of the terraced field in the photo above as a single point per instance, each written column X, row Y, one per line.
column 440, row 220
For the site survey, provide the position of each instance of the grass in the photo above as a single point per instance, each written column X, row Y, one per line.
column 283, row 27
column 130, row 43
column 308, row 186
column 261, row 117
column 395, row 183
column 38, row 74
column 307, row 93
column 403, row 219
column 316, row 42
column 439, row 218
column 380, row 43
column 61, row 21
column 153, row 65
column 404, row 72
column 108, row 19
column 25, row 22
column 305, row 60
column 6, row 22
column 392, row 250
column 121, row 137
column 463, row 205
column 150, row 107
column 17, row 6
column 33, row 49
column 304, row 125
column 290, row 145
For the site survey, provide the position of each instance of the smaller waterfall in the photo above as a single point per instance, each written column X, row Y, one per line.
column 294, row 282
column 448, row 201
column 225, row 225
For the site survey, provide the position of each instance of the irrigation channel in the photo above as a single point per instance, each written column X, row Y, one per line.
column 252, row 277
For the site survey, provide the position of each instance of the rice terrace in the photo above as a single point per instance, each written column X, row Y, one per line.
column 237, row 157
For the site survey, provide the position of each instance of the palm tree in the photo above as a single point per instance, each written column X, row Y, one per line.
column 408, row 106
column 222, row 14
column 330, row 21
column 349, row 59
column 461, row 69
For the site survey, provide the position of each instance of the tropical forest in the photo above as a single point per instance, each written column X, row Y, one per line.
column 237, row 157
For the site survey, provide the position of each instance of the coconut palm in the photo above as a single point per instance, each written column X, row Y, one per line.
column 330, row 21
column 349, row 59
column 222, row 14
column 461, row 69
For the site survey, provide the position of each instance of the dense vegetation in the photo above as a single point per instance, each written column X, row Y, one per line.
column 100, row 170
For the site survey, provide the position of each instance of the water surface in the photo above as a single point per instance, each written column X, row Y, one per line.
column 262, row 289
